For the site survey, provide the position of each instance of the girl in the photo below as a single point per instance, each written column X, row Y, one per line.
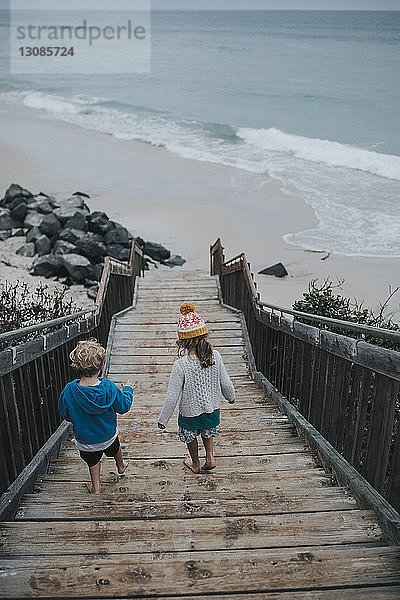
column 197, row 382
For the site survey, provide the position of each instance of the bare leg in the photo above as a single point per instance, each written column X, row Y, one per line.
column 210, row 460
column 193, row 463
column 94, row 486
column 119, row 460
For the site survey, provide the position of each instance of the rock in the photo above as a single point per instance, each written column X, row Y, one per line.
column 15, row 191
column 42, row 245
column 48, row 265
column 92, row 292
column 99, row 223
column 19, row 232
column 7, row 221
column 118, row 252
column 78, row 267
column 81, row 194
column 140, row 241
column 174, row 261
column 33, row 234
column 19, row 212
column 63, row 247
column 71, row 235
column 277, row 270
column 33, row 219
column 98, row 271
column 156, row 251
column 90, row 283
column 43, row 207
column 78, row 221
column 66, row 281
column 66, row 209
column 27, row 250
column 118, row 235
column 5, row 234
column 50, row 199
column 91, row 248
column 50, row 225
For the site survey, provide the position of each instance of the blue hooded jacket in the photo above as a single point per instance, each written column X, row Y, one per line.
column 92, row 409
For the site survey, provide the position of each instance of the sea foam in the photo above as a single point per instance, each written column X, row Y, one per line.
column 354, row 192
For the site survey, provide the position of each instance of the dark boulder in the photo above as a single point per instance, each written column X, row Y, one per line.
column 50, row 225
column 81, row 194
column 78, row 221
column 78, row 267
column 71, row 235
column 156, row 251
column 49, row 199
column 33, row 234
column 19, row 212
column 140, row 242
column 90, row 283
column 27, row 250
column 63, row 247
column 92, row 292
column 19, row 232
column 33, row 219
column 91, row 248
column 48, row 265
column 7, row 221
column 174, row 261
column 15, row 191
column 66, row 209
column 118, row 252
column 42, row 245
column 99, row 223
column 118, row 235
column 277, row 270
column 43, row 207
column 5, row 234
column 98, row 271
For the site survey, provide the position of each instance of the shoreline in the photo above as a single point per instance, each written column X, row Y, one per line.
column 184, row 204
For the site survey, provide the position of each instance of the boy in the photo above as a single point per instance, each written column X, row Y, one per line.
column 91, row 404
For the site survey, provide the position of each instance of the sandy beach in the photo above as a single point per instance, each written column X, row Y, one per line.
column 184, row 204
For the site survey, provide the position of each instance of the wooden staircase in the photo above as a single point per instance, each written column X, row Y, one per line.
column 268, row 523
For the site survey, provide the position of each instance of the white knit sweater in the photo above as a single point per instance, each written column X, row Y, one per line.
column 197, row 390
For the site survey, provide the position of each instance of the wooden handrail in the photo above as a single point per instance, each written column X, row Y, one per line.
column 346, row 388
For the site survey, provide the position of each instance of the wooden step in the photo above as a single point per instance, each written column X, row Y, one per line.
column 201, row 572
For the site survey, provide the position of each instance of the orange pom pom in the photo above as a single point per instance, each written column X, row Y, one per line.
column 186, row 308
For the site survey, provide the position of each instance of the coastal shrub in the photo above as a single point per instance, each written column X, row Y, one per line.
column 22, row 305
column 323, row 299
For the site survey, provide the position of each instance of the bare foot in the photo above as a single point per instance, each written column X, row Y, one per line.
column 91, row 489
column 121, row 470
column 209, row 466
column 189, row 464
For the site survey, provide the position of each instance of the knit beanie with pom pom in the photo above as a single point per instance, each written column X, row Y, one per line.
column 190, row 323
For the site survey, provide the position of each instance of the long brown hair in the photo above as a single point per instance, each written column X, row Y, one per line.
column 201, row 346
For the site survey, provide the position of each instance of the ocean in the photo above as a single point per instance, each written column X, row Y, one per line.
column 308, row 98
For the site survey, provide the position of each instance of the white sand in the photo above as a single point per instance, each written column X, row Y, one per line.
column 182, row 203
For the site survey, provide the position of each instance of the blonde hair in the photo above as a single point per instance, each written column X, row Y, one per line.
column 88, row 358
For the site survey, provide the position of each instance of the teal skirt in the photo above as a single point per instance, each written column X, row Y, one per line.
column 203, row 421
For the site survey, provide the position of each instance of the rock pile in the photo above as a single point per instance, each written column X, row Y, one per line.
column 68, row 241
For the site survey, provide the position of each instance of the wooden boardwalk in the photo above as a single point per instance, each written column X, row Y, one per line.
column 266, row 524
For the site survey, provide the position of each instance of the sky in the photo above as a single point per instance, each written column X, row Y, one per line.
column 228, row 4
column 276, row 4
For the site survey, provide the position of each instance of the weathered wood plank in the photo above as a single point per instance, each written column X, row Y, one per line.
column 183, row 535
column 196, row 573
column 47, row 508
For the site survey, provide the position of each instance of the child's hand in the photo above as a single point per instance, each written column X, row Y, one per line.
column 161, row 426
column 130, row 383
